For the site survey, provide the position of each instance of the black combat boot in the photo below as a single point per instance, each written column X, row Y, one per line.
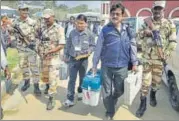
column 46, row 89
column 50, row 103
column 37, row 90
column 26, row 85
column 153, row 101
column 143, row 106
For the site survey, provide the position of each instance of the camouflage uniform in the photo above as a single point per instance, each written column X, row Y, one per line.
column 28, row 58
column 158, row 41
column 152, row 63
column 51, row 38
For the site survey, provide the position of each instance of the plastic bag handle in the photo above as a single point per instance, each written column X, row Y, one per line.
column 133, row 72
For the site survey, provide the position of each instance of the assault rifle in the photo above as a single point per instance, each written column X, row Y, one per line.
column 23, row 37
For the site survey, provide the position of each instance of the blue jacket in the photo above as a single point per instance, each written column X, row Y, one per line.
column 116, row 48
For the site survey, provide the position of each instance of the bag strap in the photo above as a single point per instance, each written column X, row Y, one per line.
column 129, row 31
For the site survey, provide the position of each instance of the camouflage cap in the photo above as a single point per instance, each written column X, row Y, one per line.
column 23, row 6
column 159, row 3
column 47, row 13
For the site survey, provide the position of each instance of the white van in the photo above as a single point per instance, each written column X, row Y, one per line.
column 172, row 71
column 9, row 11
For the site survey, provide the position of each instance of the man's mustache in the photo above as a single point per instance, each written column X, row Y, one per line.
column 26, row 13
column 114, row 18
column 156, row 12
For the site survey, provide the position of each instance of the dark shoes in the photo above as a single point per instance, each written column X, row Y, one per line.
column 153, row 101
column 37, row 91
column 26, row 85
column 50, row 103
column 46, row 89
column 109, row 116
column 142, row 108
column 143, row 105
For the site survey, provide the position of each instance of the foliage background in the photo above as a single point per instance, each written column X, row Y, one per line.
column 60, row 11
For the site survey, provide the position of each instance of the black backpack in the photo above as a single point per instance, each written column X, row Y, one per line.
column 131, row 35
column 129, row 32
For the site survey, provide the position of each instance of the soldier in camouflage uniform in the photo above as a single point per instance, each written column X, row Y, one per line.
column 52, row 42
column 26, row 45
column 150, row 54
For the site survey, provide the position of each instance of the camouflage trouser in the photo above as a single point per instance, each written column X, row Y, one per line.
column 29, row 66
column 151, row 76
column 50, row 73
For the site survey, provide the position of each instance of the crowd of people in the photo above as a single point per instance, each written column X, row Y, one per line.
column 116, row 47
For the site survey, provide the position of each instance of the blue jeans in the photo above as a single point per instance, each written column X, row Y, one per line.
column 76, row 66
column 112, row 78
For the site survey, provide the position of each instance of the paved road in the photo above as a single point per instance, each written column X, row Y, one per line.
column 35, row 108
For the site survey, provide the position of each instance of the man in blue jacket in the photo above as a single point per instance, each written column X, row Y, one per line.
column 116, row 47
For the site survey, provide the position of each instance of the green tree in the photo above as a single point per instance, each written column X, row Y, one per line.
column 12, row 4
column 49, row 4
column 63, row 7
column 79, row 8
column 60, row 14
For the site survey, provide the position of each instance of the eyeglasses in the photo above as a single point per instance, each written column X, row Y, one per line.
column 117, row 14
column 24, row 9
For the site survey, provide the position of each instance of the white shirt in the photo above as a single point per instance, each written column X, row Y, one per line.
column 99, row 29
column 69, row 29
column 91, row 27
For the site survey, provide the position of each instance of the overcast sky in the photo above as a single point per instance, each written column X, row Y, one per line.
column 91, row 4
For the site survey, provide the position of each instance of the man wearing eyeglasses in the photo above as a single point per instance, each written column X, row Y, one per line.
column 116, row 46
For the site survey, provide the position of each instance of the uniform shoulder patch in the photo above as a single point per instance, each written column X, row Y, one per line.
column 172, row 25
